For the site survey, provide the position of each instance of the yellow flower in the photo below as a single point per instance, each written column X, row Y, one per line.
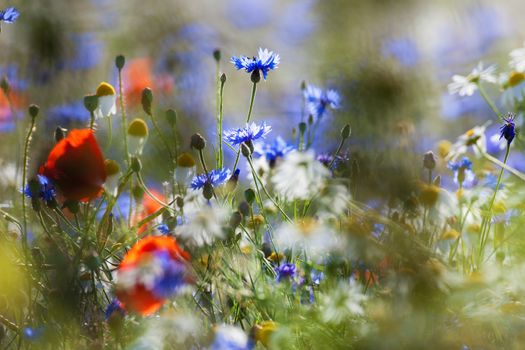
column 263, row 332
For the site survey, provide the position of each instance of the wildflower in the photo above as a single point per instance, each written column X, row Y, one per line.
column 474, row 138
column 513, row 85
column 463, row 174
column 317, row 100
column 185, row 169
column 137, row 75
column 215, row 178
column 285, row 271
column 508, row 129
column 202, row 223
column 343, row 301
column 230, row 338
column 152, row 270
column 76, row 166
column 272, row 151
column 163, row 229
column 299, row 176
column 47, row 190
column 107, row 101
column 517, row 59
column 137, row 134
column 312, row 236
column 114, row 309
column 262, row 332
column 148, row 207
column 247, row 135
column 266, row 62
column 466, row 86
column 9, row 15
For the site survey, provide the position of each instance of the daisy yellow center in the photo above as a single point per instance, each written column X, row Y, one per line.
column 105, row 89
column 186, row 160
column 443, row 148
column 138, row 127
column 307, row 226
column 515, row 78
column 450, row 234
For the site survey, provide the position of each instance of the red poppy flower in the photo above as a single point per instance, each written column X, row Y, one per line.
column 76, row 165
column 139, row 298
column 149, row 206
column 138, row 74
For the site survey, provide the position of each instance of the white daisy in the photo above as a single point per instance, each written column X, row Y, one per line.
column 309, row 235
column 341, row 302
column 467, row 85
column 474, row 138
column 513, row 85
column 107, row 101
column 299, row 176
column 517, row 59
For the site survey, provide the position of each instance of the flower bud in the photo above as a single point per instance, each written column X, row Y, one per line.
column 136, row 164
column 91, row 102
column 207, row 190
column 33, row 110
column 179, row 201
column 245, row 150
column 302, row 127
column 244, row 208
column 233, row 180
column 249, row 195
column 235, row 219
column 217, row 54
column 120, row 61
column 60, row 133
column 429, row 160
column 4, row 85
column 72, row 205
column 137, row 193
column 256, row 76
column 345, row 132
column 147, row 100
column 198, row 142
column 171, row 117
column 223, row 78
column 310, row 119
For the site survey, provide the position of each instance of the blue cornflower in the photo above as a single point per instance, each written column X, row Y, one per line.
column 46, row 192
column 285, row 271
column 508, row 130
column 164, row 229
column 9, row 15
column 114, row 308
column 216, row 177
column 277, row 149
column 266, row 62
column 172, row 278
column 463, row 174
column 317, row 100
column 248, row 134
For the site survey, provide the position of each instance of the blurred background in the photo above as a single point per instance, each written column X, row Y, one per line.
column 390, row 60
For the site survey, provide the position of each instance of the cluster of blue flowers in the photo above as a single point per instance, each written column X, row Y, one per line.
column 285, row 271
column 9, row 15
column 463, row 174
column 46, row 191
column 271, row 151
column 318, row 100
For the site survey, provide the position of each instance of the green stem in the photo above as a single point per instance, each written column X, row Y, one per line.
column 162, row 138
column 252, row 99
column 489, row 102
column 24, row 181
column 499, row 163
column 124, row 120
column 337, row 152
column 219, row 127
column 92, row 120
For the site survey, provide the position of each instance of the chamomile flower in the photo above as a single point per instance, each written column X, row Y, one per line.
column 107, row 101
column 248, row 134
column 318, row 100
column 346, row 300
column 265, row 62
column 467, row 85
column 309, row 235
column 513, row 85
column 517, row 59
column 474, row 138
column 299, row 176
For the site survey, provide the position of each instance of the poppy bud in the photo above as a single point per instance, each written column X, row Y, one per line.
column 4, row 85
column 207, row 191
column 120, row 61
column 245, row 150
column 198, row 142
column 244, row 208
column 60, row 133
column 137, row 132
column 91, row 102
column 33, row 110
column 217, row 54
column 302, row 127
column 256, row 76
column 138, row 194
column 429, row 160
column 235, row 219
column 147, row 100
column 171, row 117
column 345, row 132
column 136, row 164
column 223, row 78
column 249, row 195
